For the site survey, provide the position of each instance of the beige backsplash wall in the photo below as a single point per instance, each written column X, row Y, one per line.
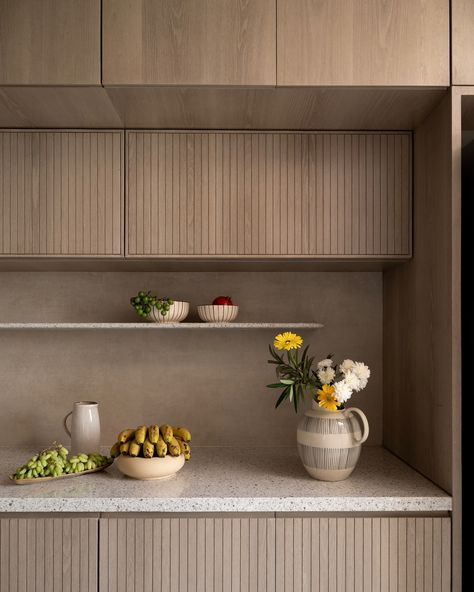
column 213, row 381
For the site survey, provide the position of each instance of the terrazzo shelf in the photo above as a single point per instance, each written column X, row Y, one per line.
column 232, row 480
column 156, row 326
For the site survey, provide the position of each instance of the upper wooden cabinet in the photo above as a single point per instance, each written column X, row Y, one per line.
column 235, row 194
column 50, row 42
column 462, row 41
column 363, row 42
column 189, row 42
column 61, row 193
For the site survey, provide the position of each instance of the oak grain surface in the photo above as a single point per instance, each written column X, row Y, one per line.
column 50, row 42
column 270, row 194
column 363, row 42
column 189, row 42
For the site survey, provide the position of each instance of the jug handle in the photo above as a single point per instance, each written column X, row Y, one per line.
column 365, row 423
column 68, row 431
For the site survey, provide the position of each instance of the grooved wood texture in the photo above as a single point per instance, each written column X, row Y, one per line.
column 61, row 193
column 421, row 313
column 48, row 554
column 363, row 554
column 50, row 42
column 283, row 194
column 462, row 41
column 187, row 554
column 189, row 42
column 363, row 42
column 299, row 554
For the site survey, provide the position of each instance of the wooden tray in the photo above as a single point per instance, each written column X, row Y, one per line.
column 43, row 479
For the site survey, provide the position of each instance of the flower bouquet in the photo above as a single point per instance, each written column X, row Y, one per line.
column 331, row 385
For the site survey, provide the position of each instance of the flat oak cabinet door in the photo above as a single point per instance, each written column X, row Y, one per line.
column 236, row 194
column 366, row 554
column 187, row 554
column 61, row 193
column 363, row 42
column 50, row 42
column 48, row 554
column 189, row 42
column 462, row 41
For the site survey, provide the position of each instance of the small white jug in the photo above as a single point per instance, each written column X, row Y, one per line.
column 85, row 427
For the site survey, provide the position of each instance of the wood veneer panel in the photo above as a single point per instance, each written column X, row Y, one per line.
column 363, row 42
column 193, row 554
column 197, row 42
column 61, row 193
column 462, row 41
column 316, row 108
column 419, row 315
column 50, row 42
column 269, row 194
column 44, row 554
column 363, row 554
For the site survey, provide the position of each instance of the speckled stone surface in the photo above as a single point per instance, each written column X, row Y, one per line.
column 154, row 326
column 231, row 480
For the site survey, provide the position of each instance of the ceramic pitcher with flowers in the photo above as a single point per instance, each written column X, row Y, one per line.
column 329, row 436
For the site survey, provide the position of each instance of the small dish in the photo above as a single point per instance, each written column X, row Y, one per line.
column 217, row 313
column 178, row 312
column 149, row 469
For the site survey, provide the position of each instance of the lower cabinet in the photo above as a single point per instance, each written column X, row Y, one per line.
column 275, row 554
column 48, row 554
column 225, row 553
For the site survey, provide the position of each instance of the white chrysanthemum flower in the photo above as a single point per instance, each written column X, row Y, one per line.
column 342, row 391
column 363, row 384
column 352, row 381
column 361, row 371
column 326, row 375
column 346, row 366
column 327, row 363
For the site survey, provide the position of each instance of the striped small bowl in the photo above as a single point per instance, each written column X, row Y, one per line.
column 329, row 442
column 178, row 312
column 217, row 313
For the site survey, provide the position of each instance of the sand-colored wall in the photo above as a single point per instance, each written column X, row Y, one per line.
column 212, row 381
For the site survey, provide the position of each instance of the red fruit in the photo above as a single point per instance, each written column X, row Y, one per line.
column 227, row 300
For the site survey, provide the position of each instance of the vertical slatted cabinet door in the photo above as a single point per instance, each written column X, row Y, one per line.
column 48, row 554
column 187, row 554
column 363, row 554
column 61, row 193
column 238, row 194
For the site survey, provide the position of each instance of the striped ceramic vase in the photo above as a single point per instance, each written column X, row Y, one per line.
column 329, row 442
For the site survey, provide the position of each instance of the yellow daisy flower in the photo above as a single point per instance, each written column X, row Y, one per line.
column 326, row 398
column 287, row 341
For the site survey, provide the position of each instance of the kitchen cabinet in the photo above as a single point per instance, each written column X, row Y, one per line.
column 189, row 42
column 269, row 194
column 46, row 554
column 50, row 42
column 363, row 42
column 462, row 41
column 215, row 553
column 363, row 553
column 61, row 193
column 282, row 554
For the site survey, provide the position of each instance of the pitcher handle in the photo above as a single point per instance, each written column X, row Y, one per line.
column 365, row 423
column 68, row 431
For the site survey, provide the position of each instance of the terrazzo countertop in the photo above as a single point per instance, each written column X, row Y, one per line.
column 231, row 480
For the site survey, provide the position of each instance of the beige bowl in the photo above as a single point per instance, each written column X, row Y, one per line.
column 178, row 312
column 217, row 313
column 149, row 469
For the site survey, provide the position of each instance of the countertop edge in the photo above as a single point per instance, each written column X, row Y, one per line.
column 247, row 505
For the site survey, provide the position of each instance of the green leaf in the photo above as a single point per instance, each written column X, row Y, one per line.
column 275, row 385
column 292, row 392
column 286, row 381
column 281, row 398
